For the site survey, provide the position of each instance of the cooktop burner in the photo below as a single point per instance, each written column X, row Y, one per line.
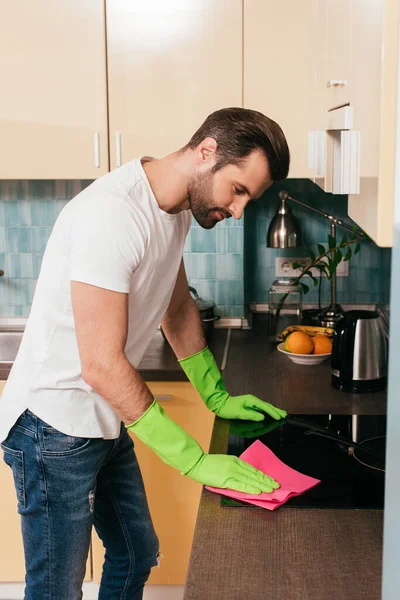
column 349, row 478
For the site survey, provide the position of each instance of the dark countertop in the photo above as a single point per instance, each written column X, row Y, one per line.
column 287, row 554
column 5, row 369
column 159, row 362
column 255, row 366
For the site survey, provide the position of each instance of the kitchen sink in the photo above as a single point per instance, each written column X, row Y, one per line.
column 9, row 345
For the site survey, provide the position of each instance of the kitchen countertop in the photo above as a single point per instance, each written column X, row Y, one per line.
column 287, row 554
column 255, row 366
column 159, row 362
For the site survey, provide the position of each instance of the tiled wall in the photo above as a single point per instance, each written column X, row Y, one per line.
column 229, row 264
column 369, row 271
column 214, row 265
column 28, row 210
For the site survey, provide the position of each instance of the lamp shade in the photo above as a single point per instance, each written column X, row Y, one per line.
column 284, row 230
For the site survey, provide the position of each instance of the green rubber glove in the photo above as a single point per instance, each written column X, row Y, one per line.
column 204, row 374
column 176, row 448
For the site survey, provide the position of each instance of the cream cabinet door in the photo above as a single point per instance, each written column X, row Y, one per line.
column 173, row 499
column 366, row 49
column 284, row 70
column 375, row 112
column 170, row 64
column 12, row 563
column 338, row 52
column 53, row 100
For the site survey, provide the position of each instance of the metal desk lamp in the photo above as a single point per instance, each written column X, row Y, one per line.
column 284, row 232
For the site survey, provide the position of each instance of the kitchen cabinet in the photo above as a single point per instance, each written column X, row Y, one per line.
column 284, row 70
column 356, row 155
column 353, row 40
column 338, row 52
column 12, row 563
column 170, row 64
column 375, row 100
column 173, row 499
column 53, row 101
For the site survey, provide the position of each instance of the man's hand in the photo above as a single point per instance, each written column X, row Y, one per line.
column 204, row 374
column 248, row 408
column 230, row 472
column 177, row 449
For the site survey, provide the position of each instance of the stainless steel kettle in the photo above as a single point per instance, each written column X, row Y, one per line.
column 359, row 353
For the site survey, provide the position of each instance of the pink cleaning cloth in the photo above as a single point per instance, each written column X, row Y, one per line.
column 292, row 482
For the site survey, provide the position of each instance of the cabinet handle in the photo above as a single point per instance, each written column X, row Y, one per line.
column 118, row 148
column 163, row 398
column 337, row 82
column 96, row 140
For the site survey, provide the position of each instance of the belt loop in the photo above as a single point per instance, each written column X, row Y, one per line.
column 34, row 423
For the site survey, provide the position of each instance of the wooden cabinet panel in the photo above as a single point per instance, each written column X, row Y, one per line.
column 375, row 113
column 173, row 499
column 53, row 97
column 366, row 49
column 170, row 64
column 284, row 70
column 338, row 52
column 12, row 563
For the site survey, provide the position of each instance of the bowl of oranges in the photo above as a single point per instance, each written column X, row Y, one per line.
column 306, row 345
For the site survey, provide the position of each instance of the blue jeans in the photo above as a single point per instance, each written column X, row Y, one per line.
column 64, row 486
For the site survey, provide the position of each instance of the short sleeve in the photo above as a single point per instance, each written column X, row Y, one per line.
column 108, row 242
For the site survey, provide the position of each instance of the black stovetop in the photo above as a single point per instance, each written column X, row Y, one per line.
column 345, row 481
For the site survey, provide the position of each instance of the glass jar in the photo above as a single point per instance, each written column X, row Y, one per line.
column 285, row 305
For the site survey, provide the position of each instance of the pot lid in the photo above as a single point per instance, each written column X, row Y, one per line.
column 201, row 304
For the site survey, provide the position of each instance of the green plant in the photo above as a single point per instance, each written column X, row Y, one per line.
column 333, row 255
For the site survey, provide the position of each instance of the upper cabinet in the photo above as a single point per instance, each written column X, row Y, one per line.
column 170, row 64
column 354, row 153
column 337, row 52
column 53, row 100
column 284, row 70
column 87, row 86
column 375, row 102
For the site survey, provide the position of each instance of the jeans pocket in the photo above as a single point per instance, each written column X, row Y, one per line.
column 57, row 443
column 15, row 460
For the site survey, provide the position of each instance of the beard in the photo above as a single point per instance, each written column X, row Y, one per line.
column 201, row 200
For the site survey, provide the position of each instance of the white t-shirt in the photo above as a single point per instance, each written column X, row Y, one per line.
column 115, row 236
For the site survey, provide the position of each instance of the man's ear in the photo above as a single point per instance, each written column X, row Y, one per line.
column 207, row 149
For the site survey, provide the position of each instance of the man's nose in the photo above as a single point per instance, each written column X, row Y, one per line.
column 237, row 208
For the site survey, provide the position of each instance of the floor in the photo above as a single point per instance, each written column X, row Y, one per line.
column 15, row 591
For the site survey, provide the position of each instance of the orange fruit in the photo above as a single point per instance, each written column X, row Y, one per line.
column 299, row 342
column 322, row 344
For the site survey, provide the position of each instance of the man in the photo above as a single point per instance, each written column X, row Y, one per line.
column 111, row 272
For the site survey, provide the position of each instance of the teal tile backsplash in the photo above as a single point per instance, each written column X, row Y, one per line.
column 214, row 263
column 369, row 271
column 28, row 210
column 228, row 264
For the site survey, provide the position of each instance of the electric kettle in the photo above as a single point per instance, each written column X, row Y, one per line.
column 359, row 353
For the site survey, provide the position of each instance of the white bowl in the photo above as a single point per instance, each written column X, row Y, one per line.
column 304, row 359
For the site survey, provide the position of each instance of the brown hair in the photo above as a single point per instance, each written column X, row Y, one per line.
column 240, row 131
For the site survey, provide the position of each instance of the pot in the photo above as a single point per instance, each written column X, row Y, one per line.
column 206, row 309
